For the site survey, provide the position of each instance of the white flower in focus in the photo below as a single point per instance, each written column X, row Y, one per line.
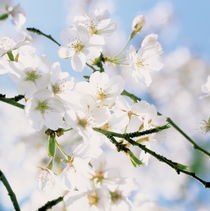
column 61, row 83
column 86, row 115
column 103, row 88
column 46, row 179
column 77, row 46
column 98, row 24
column 206, row 87
column 45, row 110
column 32, row 75
column 146, row 59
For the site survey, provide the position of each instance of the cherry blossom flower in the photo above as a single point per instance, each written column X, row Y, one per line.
column 32, row 75
column 103, row 88
column 78, row 47
column 146, row 59
column 44, row 110
column 98, row 24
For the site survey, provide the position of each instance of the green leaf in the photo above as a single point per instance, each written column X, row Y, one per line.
column 51, row 146
column 11, row 56
column 134, row 160
column 4, row 16
column 182, row 167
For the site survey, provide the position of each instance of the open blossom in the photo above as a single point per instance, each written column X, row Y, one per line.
column 45, row 110
column 31, row 76
column 146, row 59
column 93, row 199
column 103, row 88
column 86, row 115
column 78, row 47
column 61, row 83
column 99, row 25
column 8, row 9
column 8, row 44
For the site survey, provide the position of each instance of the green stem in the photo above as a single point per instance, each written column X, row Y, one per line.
column 91, row 67
column 50, row 204
column 131, row 96
column 62, row 151
column 37, row 31
column 10, row 191
column 179, row 168
column 11, row 101
column 134, row 134
column 176, row 166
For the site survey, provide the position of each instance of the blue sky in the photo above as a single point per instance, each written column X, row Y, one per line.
column 192, row 16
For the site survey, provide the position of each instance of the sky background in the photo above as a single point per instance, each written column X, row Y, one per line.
column 193, row 18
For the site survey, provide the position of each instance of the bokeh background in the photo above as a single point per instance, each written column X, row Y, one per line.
column 183, row 28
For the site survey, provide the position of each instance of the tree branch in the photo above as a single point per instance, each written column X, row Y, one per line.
column 10, row 191
column 12, row 101
column 37, row 31
column 134, row 134
column 50, row 204
column 172, row 123
column 179, row 168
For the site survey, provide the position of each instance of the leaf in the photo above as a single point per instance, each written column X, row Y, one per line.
column 4, row 16
column 134, row 160
column 51, row 146
column 182, row 167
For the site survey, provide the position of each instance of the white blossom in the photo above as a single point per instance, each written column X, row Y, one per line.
column 98, row 24
column 77, row 46
column 145, row 60
column 45, row 110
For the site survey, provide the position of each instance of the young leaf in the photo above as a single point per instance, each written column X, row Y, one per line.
column 51, row 146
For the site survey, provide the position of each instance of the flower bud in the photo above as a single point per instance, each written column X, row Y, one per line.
column 138, row 23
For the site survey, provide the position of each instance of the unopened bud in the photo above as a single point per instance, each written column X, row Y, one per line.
column 138, row 23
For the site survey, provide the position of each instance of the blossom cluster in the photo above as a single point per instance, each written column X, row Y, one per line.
column 56, row 102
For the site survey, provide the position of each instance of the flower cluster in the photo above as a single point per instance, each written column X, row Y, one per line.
column 57, row 103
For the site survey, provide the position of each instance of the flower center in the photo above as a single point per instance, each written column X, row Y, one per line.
column 56, row 89
column 116, row 196
column 98, row 177
column 139, row 63
column 93, row 198
column 82, row 122
column 42, row 106
column 101, row 95
column 31, row 76
column 92, row 28
column 77, row 46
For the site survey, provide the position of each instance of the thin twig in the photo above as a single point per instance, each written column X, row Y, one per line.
column 195, row 145
column 172, row 123
column 12, row 101
column 10, row 191
column 50, row 204
column 37, row 31
column 179, row 168
column 134, row 134
column 176, row 166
